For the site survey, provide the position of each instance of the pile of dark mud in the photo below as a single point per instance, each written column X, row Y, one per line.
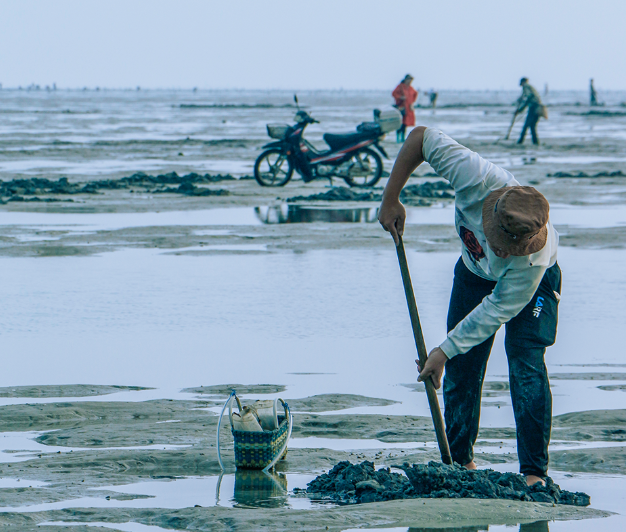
column 16, row 189
column 411, row 195
column 358, row 483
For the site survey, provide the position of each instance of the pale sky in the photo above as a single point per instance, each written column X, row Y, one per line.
column 316, row 44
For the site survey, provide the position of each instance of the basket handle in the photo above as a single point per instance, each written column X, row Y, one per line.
column 230, row 408
column 228, row 403
column 289, row 427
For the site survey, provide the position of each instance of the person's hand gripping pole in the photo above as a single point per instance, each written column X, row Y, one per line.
column 433, row 369
column 392, row 215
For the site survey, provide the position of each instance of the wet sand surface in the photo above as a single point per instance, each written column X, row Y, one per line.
column 133, row 314
column 86, row 453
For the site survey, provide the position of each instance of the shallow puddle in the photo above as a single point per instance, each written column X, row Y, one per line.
column 124, row 527
column 439, row 214
column 19, row 483
column 244, row 489
column 113, row 221
column 132, row 313
column 341, row 444
column 219, row 247
column 22, row 446
column 483, row 445
column 289, row 214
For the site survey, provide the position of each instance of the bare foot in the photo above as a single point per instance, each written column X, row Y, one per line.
column 533, row 479
column 470, row 465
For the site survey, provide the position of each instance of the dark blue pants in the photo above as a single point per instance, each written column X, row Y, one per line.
column 531, row 123
column 527, row 336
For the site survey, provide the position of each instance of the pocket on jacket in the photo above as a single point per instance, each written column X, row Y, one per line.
column 536, row 324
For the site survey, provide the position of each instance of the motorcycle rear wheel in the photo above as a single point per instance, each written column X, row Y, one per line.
column 366, row 169
column 273, row 168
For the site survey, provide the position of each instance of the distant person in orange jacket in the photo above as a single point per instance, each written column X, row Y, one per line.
column 405, row 96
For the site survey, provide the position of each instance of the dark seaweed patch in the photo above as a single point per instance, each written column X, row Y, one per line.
column 16, row 189
column 616, row 173
column 411, row 195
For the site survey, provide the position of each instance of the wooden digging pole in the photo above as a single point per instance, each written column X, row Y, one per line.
column 433, row 402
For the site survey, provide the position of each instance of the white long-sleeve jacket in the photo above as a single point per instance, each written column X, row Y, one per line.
column 473, row 179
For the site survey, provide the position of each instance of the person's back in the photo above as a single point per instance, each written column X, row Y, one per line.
column 530, row 97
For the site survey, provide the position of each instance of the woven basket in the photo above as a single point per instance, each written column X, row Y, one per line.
column 256, row 450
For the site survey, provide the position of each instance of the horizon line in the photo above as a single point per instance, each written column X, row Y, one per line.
column 34, row 87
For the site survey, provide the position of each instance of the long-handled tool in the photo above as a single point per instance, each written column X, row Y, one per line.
column 433, row 402
column 511, row 126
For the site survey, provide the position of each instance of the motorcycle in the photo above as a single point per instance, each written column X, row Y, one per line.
column 350, row 155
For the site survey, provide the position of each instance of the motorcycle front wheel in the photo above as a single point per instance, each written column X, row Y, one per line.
column 364, row 169
column 273, row 168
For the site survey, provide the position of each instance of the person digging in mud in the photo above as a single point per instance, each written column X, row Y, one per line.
column 507, row 274
column 530, row 98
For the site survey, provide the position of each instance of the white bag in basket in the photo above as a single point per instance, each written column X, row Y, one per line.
column 247, row 420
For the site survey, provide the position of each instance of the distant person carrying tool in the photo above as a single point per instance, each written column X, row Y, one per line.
column 530, row 98
column 405, row 97
column 507, row 274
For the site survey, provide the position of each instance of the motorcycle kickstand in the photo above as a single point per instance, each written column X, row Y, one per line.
column 330, row 178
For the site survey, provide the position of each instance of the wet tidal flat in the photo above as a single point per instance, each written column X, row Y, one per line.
column 154, row 462
column 137, row 304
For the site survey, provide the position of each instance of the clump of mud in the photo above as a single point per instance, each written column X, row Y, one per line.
column 358, row 483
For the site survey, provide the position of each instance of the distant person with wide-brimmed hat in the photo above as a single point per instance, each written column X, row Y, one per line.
column 404, row 97
column 507, row 275
column 530, row 98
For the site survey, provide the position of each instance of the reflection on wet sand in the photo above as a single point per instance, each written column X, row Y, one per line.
column 289, row 214
column 260, row 490
column 257, row 489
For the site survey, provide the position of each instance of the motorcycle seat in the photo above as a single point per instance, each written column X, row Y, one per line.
column 337, row 142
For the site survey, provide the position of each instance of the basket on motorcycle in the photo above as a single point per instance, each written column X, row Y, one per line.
column 277, row 131
column 388, row 120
